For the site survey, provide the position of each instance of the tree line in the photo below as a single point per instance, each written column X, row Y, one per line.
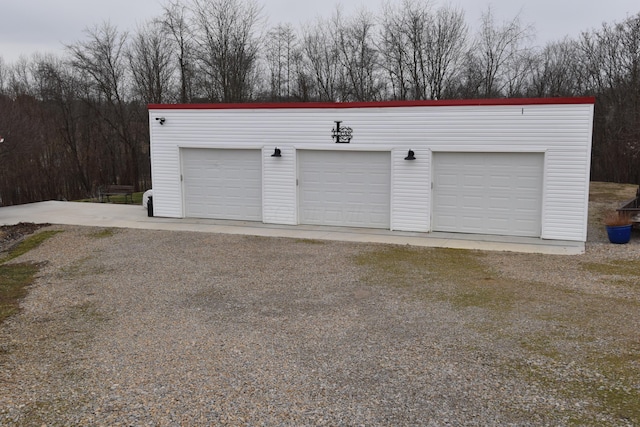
column 74, row 123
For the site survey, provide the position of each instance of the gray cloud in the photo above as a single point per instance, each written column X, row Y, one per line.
column 46, row 25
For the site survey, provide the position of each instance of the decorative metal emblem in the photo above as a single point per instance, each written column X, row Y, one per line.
column 341, row 135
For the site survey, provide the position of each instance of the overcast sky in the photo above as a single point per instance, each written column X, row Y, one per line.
column 44, row 26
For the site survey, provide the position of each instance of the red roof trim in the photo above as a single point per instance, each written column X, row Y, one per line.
column 386, row 104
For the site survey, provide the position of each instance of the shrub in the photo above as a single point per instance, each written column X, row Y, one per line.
column 616, row 219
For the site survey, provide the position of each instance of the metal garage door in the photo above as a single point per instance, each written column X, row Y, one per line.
column 222, row 184
column 344, row 188
column 488, row 193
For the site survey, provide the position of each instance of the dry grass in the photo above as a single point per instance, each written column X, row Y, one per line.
column 15, row 278
column 612, row 193
column 604, row 198
column 617, row 219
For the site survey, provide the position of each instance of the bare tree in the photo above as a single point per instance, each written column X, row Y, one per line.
column 554, row 71
column 28, row 152
column 359, row 58
column 394, row 50
column 102, row 60
column 281, row 51
column 61, row 90
column 20, row 80
column 445, row 49
column 610, row 60
column 498, row 53
column 175, row 22
column 152, row 68
column 227, row 46
column 4, row 73
column 322, row 58
column 422, row 50
column 416, row 21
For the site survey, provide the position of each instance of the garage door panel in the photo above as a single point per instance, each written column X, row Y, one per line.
column 501, row 204
column 471, row 180
column 472, row 202
column 470, row 223
column 528, row 183
column 222, row 184
column 498, row 181
column 488, row 193
column 448, row 179
column 449, row 201
column 344, row 188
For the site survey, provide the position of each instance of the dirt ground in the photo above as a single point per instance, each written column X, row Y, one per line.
column 10, row 235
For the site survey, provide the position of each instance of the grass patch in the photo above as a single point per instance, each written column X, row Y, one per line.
column 28, row 244
column 587, row 356
column 569, row 345
column 136, row 197
column 107, row 232
column 485, row 295
column 311, row 241
column 626, row 273
column 542, row 344
column 86, row 311
column 15, row 278
column 403, row 262
column 602, row 384
column 453, row 275
column 78, row 269
column 622, row 397
column 615, row 267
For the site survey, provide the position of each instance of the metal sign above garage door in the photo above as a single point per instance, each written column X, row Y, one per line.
column 344, row 188
column 488, row 193
column 222, row 183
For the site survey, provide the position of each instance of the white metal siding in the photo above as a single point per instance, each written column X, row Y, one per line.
column 563, row 131
column 488, row 193
column 279, row 195
column 344, row 188
column 566, row 195
column 222, row 183
column 411, row 190
column 165, row 176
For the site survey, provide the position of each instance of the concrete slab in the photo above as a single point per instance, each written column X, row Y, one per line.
column 135, row 216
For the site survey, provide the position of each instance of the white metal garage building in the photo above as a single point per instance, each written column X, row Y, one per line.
column 514, row 167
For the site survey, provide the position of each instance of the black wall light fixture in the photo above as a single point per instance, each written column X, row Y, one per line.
column 277, row 153
column 410, row 155
column 161, row 120
column 341, row 135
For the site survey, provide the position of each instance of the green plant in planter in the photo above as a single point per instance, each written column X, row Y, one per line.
column 618, row 227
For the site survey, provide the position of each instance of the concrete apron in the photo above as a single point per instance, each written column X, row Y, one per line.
column 135, row 216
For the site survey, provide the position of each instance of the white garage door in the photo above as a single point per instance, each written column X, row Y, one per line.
column 488, row 193
column 343, row 188
column 222, row 184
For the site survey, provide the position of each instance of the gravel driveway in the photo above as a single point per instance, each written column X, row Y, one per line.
column 159, row 328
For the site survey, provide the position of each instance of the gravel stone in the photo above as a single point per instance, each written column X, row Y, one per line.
column 161, row 328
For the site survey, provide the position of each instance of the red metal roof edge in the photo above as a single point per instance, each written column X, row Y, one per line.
column 378, row 104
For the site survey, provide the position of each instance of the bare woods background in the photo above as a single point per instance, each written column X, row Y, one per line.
column 73, row 123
